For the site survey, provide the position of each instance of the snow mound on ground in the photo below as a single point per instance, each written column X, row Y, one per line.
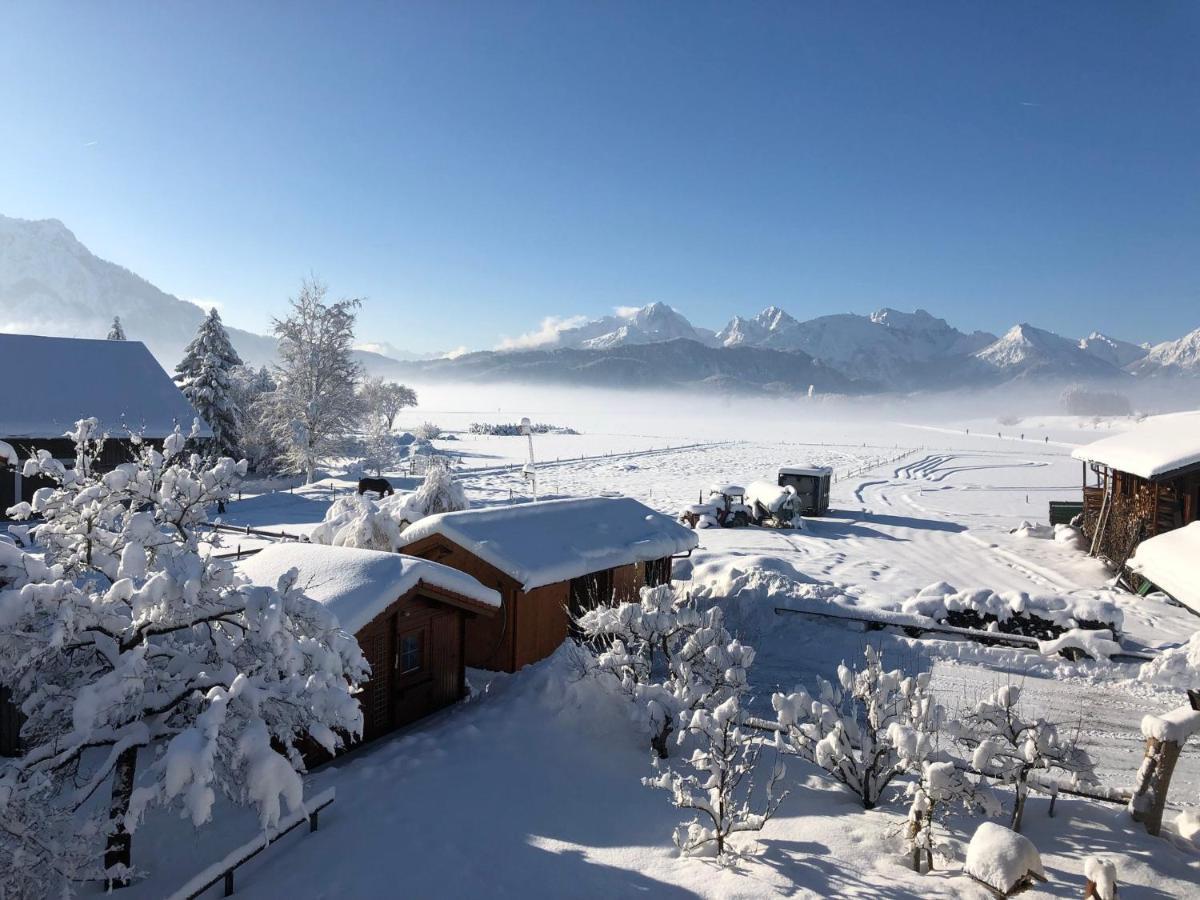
column 1178, row 667
column 1096, row 643
column 1187, row 823
column 1001, row 858
column 1068, row 535
column 750, row 588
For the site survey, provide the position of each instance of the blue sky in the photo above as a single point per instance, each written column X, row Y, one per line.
column 471, row 168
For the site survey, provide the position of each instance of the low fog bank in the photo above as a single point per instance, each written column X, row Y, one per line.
column 697, row 415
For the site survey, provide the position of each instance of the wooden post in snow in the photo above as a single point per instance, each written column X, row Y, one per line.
column 1165, row 736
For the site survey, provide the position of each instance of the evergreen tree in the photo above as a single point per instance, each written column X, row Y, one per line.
column 205, row 377
column 117, row 331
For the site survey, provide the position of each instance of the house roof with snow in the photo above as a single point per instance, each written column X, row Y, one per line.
column 357, row 585
column 1155, row 448
column 49, row 383
column 1170, row 561
column 556, row 540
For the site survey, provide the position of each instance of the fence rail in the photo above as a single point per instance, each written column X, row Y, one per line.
column 224, row 869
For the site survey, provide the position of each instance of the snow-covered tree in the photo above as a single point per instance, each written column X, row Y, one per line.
column 720, row 784
column 667, row 657
column 117, row 331
column 440, row 492
column 205, row 376
column 381, row 447
column 126, row 637
column 316, row 402
column 257, row 444
column 866, row 729
column 1008, row 748
column 383, row 400
column 942, row 786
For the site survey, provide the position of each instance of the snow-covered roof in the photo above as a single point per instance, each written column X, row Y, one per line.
column 1155, row 447
column 555, row 540
column 357, row 585
column 815, row 471
column 1172, row 561
column 49, row 383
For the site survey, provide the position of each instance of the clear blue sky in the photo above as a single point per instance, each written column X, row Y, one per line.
column 471, row 168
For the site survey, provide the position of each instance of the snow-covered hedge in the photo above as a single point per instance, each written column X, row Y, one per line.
column 1178, row 667
column 1015, row 612
column 510, row 429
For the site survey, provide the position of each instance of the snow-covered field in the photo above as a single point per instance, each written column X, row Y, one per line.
column 532, row 788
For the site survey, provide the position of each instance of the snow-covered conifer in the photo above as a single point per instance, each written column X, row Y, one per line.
column 315, row 404
column 127, row 636
column 721, row 781
column 117, row 331
column 864, row 730
column 205, row 375
column 1008, row 748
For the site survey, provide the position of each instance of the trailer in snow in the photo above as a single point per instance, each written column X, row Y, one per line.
column 811, row 484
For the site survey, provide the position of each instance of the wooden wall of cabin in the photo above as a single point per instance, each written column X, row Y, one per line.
column 541, row 623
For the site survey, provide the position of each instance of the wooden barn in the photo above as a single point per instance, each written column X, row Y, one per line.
column 549, row 560
column 50, row 383
column 409, row 616
column 1140, row 483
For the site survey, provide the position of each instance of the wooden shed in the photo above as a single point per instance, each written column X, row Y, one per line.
column 1140, row 483
column 51, row 383
column 549, row 561
column 409, row 616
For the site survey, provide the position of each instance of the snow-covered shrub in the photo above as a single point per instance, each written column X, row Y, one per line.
column 667, row 657
column 1002, row 859
column 941, row 787
column 440, row 492
column 427, row 431
column 359, row 521
column 866, row 729
column 721, row 781
column 1008, row 748
column 511, row 429
column 1178, row 667
column 126, row 637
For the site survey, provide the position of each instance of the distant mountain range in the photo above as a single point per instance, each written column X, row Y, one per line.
column 51, row 284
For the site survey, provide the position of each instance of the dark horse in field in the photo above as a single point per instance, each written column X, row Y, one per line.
column 380, row 486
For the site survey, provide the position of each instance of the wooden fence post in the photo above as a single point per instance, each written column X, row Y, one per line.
column 1165, row 736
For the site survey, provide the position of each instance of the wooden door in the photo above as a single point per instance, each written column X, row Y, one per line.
column 413, row 682
column 446, row 657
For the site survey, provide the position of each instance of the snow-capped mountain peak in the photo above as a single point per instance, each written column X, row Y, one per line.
column 1115, row 352
column 1181, row 356
column 1025, row 350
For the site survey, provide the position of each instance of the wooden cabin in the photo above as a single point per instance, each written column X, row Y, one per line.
column 549, row 561
column 51, row 383
column 409, row 616
column 1140, row 483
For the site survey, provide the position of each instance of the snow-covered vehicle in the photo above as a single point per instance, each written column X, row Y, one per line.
column 725, row 508
column 771, row 505
column 811, row 484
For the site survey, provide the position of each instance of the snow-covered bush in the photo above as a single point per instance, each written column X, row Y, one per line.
column 866, row 729
column 427, row 431
column 1044, row 616
column 721, row 781
column 440, row 492
column 126, row 637
column 1008, row 748
column 941, row 787
column 667, row 657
